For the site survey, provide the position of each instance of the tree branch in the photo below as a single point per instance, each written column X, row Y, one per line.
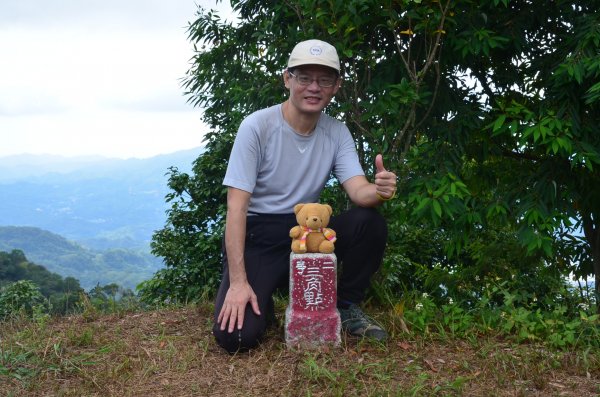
column 484, row 84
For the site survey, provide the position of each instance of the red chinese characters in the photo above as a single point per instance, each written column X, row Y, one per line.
column 312, row 318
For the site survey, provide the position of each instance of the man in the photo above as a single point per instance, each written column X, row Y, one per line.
column 282, row 156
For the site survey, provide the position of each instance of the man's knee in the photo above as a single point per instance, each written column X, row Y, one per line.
column 239, row 340
column 372, row 220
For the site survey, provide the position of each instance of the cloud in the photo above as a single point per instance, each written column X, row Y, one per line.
column 157, row 102
column 76, row 74
column 114, row 133
column 77, row 69
column 128, row 15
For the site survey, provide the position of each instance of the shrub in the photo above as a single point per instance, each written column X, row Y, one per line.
column 21, row 297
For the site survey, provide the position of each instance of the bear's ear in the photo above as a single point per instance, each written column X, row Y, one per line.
column 328, row 208
column 297, row 208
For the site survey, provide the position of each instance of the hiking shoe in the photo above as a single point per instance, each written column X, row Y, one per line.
column 357, row 323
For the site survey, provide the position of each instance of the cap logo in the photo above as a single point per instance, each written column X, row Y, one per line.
column 316, row 50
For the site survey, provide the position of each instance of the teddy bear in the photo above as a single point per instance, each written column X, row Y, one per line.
column 311, row 234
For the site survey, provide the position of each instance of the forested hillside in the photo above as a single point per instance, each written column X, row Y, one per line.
column 59, row 255
column 61, row 294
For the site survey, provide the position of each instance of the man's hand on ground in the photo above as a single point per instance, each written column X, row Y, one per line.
column 234, row 306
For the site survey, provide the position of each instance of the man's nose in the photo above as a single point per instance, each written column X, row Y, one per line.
column 314, row 85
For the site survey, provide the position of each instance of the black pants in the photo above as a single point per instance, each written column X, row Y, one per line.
column 361, row 238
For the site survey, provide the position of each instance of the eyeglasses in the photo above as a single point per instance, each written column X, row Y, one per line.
column 323, row 82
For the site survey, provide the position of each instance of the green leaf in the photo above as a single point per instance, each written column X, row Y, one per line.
column 499, row 122
column 422, row 205
column 437, row 208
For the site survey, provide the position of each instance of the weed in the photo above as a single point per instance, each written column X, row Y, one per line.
column 89, row 312
column 315, row 372
column 451, row 387
column 81, row 338
column 419, row 386
column 15, row 364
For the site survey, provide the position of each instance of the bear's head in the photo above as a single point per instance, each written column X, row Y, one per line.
column 313, row 215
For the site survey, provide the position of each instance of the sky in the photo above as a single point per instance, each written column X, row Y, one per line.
column 97, row 77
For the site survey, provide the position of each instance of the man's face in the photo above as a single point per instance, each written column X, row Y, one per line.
column 312, row 97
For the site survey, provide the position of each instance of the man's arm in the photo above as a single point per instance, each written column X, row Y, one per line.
column 240, row 293
column 366, row 194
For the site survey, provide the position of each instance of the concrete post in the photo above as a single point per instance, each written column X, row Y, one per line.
column 312, row 318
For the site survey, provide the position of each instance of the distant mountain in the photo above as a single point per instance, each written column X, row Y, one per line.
column 98, row 202
column 57, row 254
column 32, row 166
column 24, row 166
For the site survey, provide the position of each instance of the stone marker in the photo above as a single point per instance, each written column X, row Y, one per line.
column 312, row 318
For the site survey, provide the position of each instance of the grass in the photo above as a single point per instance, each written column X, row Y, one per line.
column 171, row 352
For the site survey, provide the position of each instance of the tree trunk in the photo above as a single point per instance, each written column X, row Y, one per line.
column 592, row 235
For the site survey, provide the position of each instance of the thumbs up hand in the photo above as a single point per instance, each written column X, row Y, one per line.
column 385, row 181
column 379, row 163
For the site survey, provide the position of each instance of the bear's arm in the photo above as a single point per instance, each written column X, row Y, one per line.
column 295, row 232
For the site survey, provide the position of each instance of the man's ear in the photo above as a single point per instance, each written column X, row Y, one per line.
column 337, row 85
column 286, row 79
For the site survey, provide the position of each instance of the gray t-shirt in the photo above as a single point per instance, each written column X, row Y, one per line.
column 282, row 168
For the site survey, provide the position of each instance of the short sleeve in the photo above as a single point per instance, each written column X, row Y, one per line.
column 346, row 163
column 242, row 169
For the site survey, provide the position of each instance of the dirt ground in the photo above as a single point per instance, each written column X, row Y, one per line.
column 172, row 353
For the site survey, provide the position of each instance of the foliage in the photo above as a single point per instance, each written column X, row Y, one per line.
column 20, row 297
column 487, row 111
column 507, row 311
column 61, row 295
column 33, row 290
column 515, row 140
column 110, row 298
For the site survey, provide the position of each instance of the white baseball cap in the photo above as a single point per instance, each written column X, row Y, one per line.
column 314, row 52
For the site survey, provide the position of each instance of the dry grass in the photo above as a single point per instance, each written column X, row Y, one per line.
column 172, row 353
